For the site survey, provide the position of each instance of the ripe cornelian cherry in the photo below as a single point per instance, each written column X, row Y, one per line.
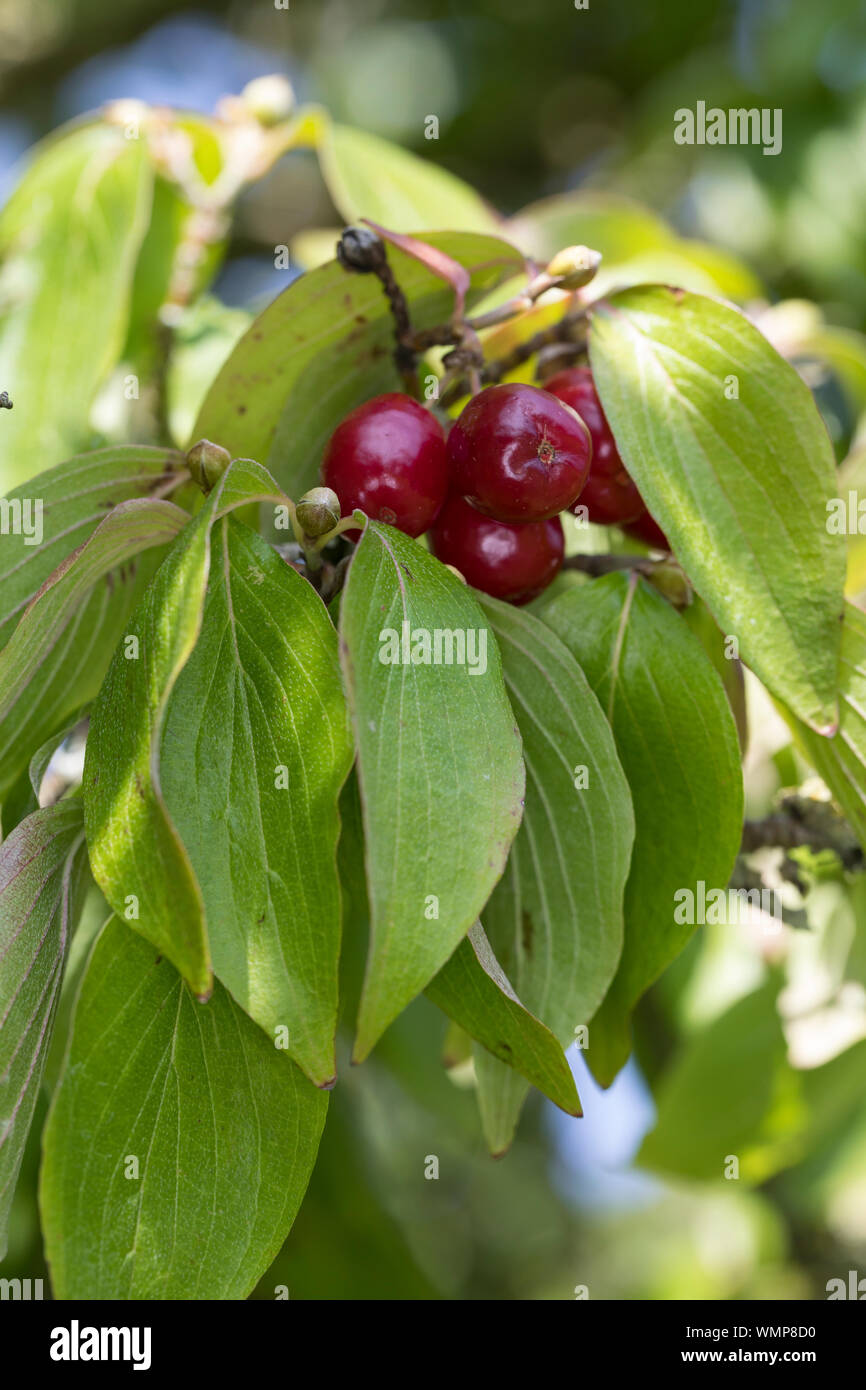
column 647, row 529
column 518, row 454
column 512, row 562
column 388, row 459
column 610, row 496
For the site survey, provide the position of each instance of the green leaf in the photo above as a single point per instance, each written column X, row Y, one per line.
column 137, row 856
column 473, row 991
column 439, row 765
column 43, row 864
column 223, row 1126
column 69, row 238
column 841, row 761
column 730, row 671
column 28, row 668
column 732, row 1092
column 370, row 177
column 255, row 750
column 738, row 484
column 555, row 920
column 75, row 497
column 677, row 742
column 73, row 670
column 323, row 346
column 726, row 1096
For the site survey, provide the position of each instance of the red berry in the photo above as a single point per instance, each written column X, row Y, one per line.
column 648, row 530
column 518, row 454
column 388, row 458
column 610, row 495
column 510, row 562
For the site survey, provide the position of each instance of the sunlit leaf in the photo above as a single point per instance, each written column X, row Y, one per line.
column 370, row 177
column 728, row 449
column 676, row 740
column 28, row 661
column 69, row 238
column 439, row 765
column 137, row 856
column 255, row 748
column 555, row 920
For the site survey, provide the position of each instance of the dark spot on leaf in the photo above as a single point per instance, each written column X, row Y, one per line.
column 503, row 1050
column 139, row 787
column 242, row 410
column 260, row 920
column 526, row 932
column 157, row 961
column 360, row 318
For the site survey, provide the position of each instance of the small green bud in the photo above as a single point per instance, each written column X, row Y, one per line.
column 318, row 511
column 672, row 584
column 269, row 99
column 207, row 462
column 574, row 267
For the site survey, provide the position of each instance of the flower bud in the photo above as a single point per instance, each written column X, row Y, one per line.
column 318, row 511
column 574, row 267
column 207, row 462
column 269, row 99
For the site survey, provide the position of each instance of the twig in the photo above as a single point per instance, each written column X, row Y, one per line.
column 597, row 565
column 804, row 822
column 569, row 329
column 362, row 251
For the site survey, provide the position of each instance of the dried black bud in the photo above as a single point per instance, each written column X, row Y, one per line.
column 360, row 249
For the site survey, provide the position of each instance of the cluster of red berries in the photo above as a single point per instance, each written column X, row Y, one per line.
column 490, row 493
